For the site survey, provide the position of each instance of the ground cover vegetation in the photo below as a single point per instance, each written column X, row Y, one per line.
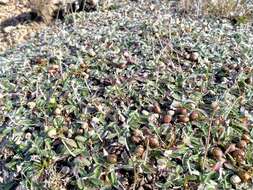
column 142, row 95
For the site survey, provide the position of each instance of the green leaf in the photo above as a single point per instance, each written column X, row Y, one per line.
column 113, row 178
column 70, row 142
column 81, row 138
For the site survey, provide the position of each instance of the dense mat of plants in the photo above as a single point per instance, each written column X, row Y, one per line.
column 131, row 98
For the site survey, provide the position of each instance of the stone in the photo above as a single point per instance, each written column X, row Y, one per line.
column 4, row 2
column 9, row 29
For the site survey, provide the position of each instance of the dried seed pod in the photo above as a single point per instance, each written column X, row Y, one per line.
column 194, row 56
column 171, row 112
column 246, row 137
column 57, row 111
column 247, row 69
column 217, row 153
column 215, row 105
column 182, row 111
column 249, row 80
column 136, row 139
column 186, row 55
column 239, row 155
column 205, row 78
column 242, row 100
column 137, row 133
column 244, row 175
column 112, row 158
column 235, row 179
column 31, row 105
column 40, row 61
column 93, row 2
column 183, row 118
column 146, row 131
column 194, row 115
column 153, row 142
column 139, row 150
column 52, row 71
column 156, row 108
column 242, row 144
column 167, row 119
column 55, row 67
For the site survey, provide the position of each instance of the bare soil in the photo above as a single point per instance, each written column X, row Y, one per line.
column 16, row 24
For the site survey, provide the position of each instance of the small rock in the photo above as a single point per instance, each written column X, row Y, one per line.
column 171, row 112
column 4, row 2
column 57, row 111
column 20, row 187
column 28, row 136
column 31, row 105
column 93, row 2
column 194, row 56
column 65, row 170
column 9, row 29
column 52, row 133
column 92, row 53
column 235, row 179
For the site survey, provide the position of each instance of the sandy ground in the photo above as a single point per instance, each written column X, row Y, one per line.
column 16, row 24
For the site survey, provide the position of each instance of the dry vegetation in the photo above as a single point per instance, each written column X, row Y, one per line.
column 218, row 8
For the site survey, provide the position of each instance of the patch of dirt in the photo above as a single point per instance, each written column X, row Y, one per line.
column 17, row 24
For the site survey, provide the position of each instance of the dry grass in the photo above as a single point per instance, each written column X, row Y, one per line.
column 220, row 8
column 44, row 8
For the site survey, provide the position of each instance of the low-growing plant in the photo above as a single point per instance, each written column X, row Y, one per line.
column 133, row 98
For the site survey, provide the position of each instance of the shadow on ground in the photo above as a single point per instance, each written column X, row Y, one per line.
column 33, row 17
column 21, row 19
